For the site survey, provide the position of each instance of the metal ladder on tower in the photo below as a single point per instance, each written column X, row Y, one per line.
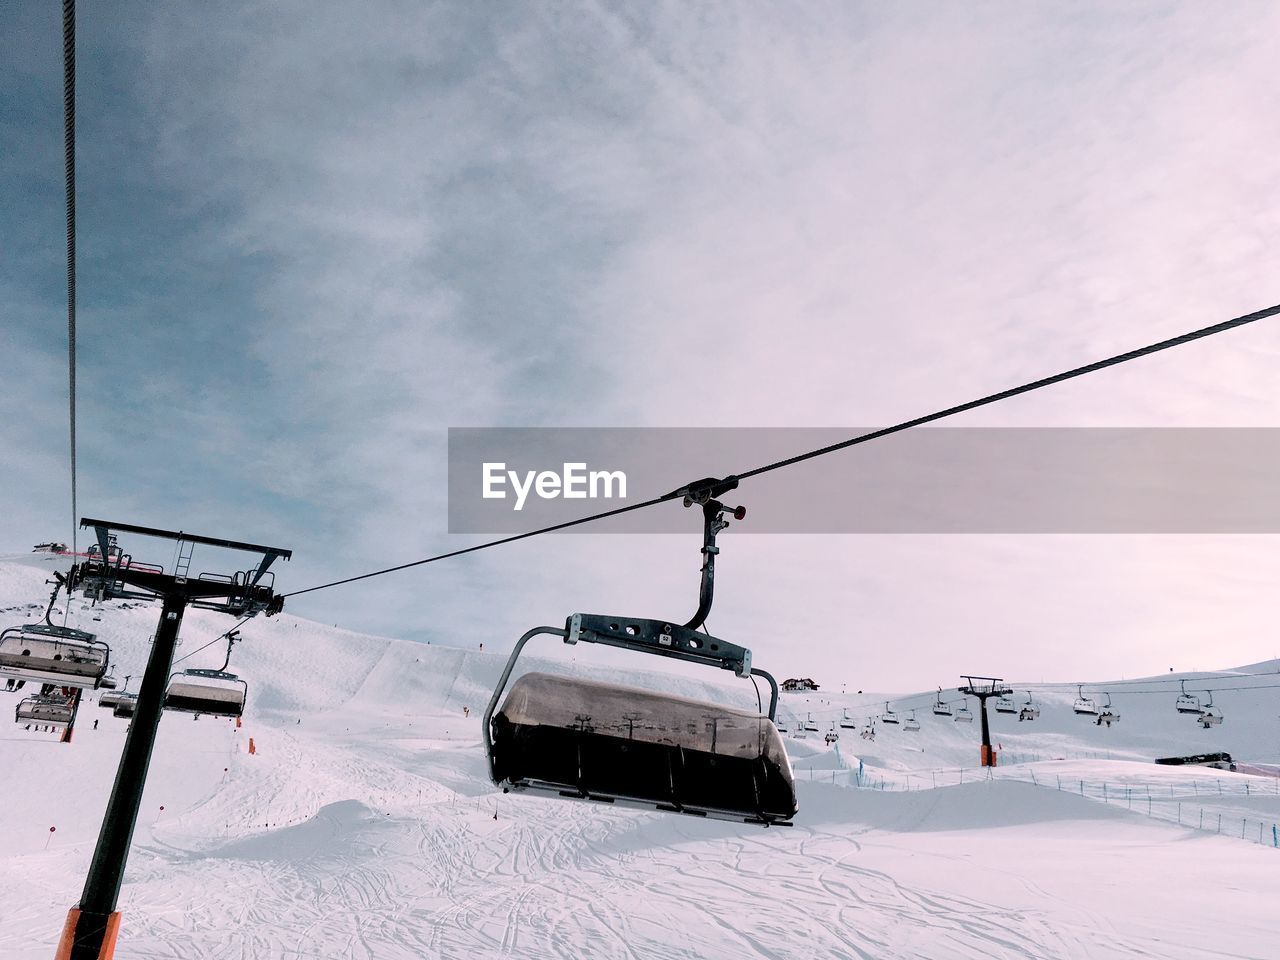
column 183, row 563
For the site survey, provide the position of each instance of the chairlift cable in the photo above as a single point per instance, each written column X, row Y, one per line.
column 1245, row 688
column 493, row 543
column 1142, row 681
column 1024, row 388
column 214, row 640
column 832, row 448
column 69, row 152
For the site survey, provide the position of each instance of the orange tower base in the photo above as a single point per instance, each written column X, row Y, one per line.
column 69, row 936
column 988, row 756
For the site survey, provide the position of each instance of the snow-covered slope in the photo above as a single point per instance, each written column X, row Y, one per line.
column 364, row 825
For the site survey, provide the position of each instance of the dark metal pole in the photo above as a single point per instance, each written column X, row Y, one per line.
column 70, row 728
column 102, row 886
column 986, row 735
column 706, row 589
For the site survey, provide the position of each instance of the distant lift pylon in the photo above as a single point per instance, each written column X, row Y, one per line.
column 984, row 688
column 586, row 740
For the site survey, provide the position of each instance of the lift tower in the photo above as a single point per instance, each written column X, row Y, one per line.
column 91, row 928
column 984, row 688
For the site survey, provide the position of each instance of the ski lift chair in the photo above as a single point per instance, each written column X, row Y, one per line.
column 847, row 722
column 121, row 703
column 888, row 716
column 109, row 701
column 1083, row 705
column 911, row 724
column 588, row 740
column 811, row 725
column 53, row 711
column 1186, row 702
column 1106, row 715
column 112, row 698
column 1210, row 716
column 963, row 714
column 940, row 707
column 1029, row 710
column 832, row 737
column 868, row 732
column 125, row 706
column 58, row 655
column 213, row 692
column 1006, row 705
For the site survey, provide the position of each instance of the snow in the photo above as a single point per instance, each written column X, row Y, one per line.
column 364, row 825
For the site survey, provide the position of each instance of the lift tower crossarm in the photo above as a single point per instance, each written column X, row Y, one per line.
column 188, row 537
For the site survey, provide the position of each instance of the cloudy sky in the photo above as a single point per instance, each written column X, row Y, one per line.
column 314, row 236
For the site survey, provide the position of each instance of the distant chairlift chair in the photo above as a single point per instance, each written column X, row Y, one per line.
column 940, row 707
column 121, row 703
column 1029, row 711
column 1186, row 702
column 213, row 692
column 1106, row 715
column 1084, row 706
column 1210, row 716
column 53, row 711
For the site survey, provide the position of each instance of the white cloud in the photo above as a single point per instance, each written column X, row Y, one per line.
column 721, row 215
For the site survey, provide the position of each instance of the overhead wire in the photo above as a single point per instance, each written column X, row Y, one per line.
column 1217, row 688
column 69, row 156
column 490, row 543
column 1139, row 682
column 1024, row 388
column 221, row 636
column 832, row 448
column 69, row 163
